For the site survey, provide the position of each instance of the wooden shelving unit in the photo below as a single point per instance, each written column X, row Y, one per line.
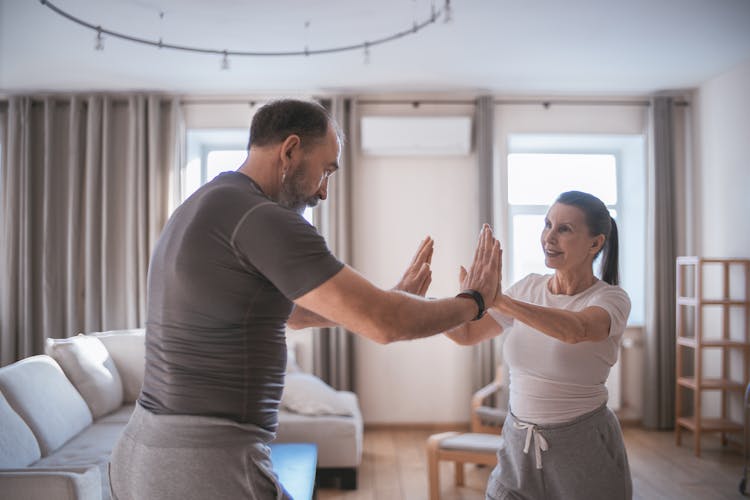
column 691, row 305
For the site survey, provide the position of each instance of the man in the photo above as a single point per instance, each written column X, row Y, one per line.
column 234, row 264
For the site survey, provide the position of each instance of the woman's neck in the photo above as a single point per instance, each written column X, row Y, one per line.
column 563, row 283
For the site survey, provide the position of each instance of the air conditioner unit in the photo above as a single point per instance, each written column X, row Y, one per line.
column 416, row 135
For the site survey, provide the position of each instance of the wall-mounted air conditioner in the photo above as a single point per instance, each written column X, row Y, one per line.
column 416, row 135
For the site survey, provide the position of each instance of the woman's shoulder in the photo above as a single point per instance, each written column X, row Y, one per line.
column 604, row 291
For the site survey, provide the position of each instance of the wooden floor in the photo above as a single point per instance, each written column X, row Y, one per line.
column 394, row 467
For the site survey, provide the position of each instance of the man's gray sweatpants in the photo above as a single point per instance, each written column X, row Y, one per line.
column 582, row 459
column 181, row 457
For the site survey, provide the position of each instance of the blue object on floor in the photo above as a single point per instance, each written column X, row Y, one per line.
column 295, row 464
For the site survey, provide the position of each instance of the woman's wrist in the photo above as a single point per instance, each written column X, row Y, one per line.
column 501, row 303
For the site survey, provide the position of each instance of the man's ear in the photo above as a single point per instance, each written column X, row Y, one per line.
column 289, row 149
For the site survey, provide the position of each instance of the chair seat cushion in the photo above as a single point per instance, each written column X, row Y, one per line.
column 483, row 443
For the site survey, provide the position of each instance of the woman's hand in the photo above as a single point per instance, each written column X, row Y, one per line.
column 418, row 275
column 484, row 273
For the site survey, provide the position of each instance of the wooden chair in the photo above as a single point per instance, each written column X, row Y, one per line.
column 477, row 447
column 484, row 418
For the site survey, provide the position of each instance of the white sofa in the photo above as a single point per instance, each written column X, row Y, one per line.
column 62, row 413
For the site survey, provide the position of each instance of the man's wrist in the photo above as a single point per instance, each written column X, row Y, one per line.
column 477, row 298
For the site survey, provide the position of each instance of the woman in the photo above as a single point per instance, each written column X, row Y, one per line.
column 560, row 439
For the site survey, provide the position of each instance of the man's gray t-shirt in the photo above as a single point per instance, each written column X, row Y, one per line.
column 221, row 283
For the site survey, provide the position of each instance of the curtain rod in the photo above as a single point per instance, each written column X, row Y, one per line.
column 66, row 100
column 524, row 102
column 562, row 102
column 412, row 102
column 417, row 102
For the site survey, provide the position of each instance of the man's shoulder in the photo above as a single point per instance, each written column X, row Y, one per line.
column 231, row 190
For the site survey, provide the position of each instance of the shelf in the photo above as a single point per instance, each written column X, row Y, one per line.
column 711, row 384
column 691, row 275
column 691, row 342
column 711, row 424
column 692, row 301
column 692, row 260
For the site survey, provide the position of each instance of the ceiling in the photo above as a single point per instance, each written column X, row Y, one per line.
column 590, row 47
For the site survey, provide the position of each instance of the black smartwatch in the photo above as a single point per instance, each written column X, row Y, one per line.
column 473, row 294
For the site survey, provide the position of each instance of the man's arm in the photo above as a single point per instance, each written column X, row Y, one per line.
column 390, row 315
column 416, row 280
column 304, row 318
column 474, row 332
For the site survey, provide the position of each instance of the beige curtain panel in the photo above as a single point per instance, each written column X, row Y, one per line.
column 85, row 183
column 333, row 348
column 659, row 369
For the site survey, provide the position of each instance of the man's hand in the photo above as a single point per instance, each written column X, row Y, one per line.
column 418, row 275
column 484, row 274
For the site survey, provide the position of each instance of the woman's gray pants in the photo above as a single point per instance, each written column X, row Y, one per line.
column 581, row 459
column 182, row 457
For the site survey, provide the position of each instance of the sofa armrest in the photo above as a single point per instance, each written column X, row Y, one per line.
column 68, row 483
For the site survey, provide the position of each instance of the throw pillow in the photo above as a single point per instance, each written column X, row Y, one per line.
column 128, row 351
column 18, row 446
column 308, row 395
column 88, row 365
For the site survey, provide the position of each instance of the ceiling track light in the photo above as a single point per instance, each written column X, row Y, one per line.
column 445, row 12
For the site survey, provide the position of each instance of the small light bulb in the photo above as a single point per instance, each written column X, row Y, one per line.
column 367, row 53
column 99, row 44
column 448, row 16
column 225, row 61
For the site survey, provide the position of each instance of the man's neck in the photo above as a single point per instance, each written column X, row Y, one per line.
column 260, row 167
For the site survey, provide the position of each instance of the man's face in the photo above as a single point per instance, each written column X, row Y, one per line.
column 307, row 182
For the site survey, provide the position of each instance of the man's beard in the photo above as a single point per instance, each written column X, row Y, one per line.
column 292, row 194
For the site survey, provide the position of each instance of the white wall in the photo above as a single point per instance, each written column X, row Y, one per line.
column 396, row 202
column 723, row 179
column 722, row 153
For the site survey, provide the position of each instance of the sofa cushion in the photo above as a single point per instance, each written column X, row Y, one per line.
column 91, row 447
column 18, row 446
column 128, row 351
column 39, row 392
column 308, row 395
column 119, row 416
column 87, row 363
column 339, row 438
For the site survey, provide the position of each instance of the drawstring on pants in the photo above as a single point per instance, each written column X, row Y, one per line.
column 540, row 444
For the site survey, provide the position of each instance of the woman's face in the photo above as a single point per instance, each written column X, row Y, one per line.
column 566, row 241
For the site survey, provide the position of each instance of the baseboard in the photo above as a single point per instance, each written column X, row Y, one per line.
column 419, row 426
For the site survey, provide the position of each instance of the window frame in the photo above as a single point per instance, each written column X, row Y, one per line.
column 514, row 209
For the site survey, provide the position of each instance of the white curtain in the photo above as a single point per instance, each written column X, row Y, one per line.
column 86, row 184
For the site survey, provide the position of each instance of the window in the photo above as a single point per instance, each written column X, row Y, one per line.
column 211, row 152
column 540, row 167
column 529, row 199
